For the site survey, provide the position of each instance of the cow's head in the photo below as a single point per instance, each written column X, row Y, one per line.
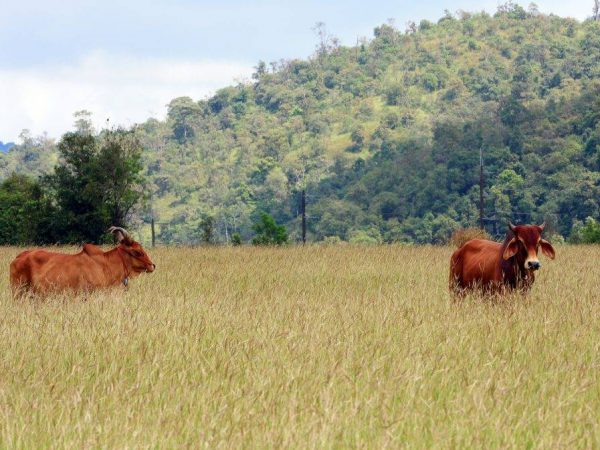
column 527, row 240
column 137, row 256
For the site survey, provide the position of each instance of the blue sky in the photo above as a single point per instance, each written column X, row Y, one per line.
column 125, row 60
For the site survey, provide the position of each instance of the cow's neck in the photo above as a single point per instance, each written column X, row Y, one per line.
column 523, row 277
column 119, row 270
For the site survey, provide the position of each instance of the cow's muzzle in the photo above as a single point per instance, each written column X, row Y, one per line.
column 533, row 265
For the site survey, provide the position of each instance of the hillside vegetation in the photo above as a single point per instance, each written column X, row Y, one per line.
column 385, row 136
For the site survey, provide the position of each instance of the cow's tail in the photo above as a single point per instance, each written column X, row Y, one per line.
column 20, row 274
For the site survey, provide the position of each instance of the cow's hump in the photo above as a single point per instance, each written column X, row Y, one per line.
column 92, row 250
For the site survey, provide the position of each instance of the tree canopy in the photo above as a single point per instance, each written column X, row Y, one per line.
column 96, row 183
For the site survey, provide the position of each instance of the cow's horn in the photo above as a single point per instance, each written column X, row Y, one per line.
column 542, row 226
column 511, row 227
column 118, row 230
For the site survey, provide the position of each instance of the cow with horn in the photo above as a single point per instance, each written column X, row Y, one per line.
column 500, row 267
column 43, row 272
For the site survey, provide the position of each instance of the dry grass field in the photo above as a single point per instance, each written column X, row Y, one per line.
column 316, row 347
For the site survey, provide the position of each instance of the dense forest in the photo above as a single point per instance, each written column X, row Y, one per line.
column 385, row 137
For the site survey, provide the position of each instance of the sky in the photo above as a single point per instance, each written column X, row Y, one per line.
column 124, row 60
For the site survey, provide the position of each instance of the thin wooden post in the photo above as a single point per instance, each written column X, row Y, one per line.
column 481, row 225
column 153, row 232
column 303, row 211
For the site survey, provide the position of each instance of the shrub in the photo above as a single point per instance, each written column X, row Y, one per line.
column 236, row 239
column 332, row 240
column 268, row 232
column 430, row 82
column 369, row 236
column 586, row 233
column 393, row 95
column 555, row 239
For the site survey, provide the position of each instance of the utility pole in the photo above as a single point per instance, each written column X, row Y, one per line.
column 481, row 188
column 152, row 229
column 303, row 212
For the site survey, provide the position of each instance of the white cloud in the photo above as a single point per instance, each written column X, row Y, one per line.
column 127, row 90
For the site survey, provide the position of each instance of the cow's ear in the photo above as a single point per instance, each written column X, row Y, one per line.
column 547, row 249
column 511, row 249
column 126, row 240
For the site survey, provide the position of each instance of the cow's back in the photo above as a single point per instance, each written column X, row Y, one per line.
column 477, row 262
column 40, row 271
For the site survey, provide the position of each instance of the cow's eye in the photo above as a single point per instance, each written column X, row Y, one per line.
column 136, row 253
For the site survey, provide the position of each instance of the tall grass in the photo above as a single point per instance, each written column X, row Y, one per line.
column 314, row 347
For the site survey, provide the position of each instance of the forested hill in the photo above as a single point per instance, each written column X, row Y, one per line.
column 386, row 136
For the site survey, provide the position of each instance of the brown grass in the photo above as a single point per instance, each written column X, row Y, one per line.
column 314, row 347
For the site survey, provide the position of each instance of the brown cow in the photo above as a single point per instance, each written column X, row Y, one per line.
column 42, row 272
column 498, row 267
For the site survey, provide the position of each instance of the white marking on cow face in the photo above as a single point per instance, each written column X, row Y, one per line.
column 532, row 262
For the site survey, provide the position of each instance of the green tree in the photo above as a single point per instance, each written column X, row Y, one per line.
column 118, row 171
column 83, row 122
column 96, row 184
column 268, row 232
column 25, row 212
column 183, row 112
column 207, row 229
